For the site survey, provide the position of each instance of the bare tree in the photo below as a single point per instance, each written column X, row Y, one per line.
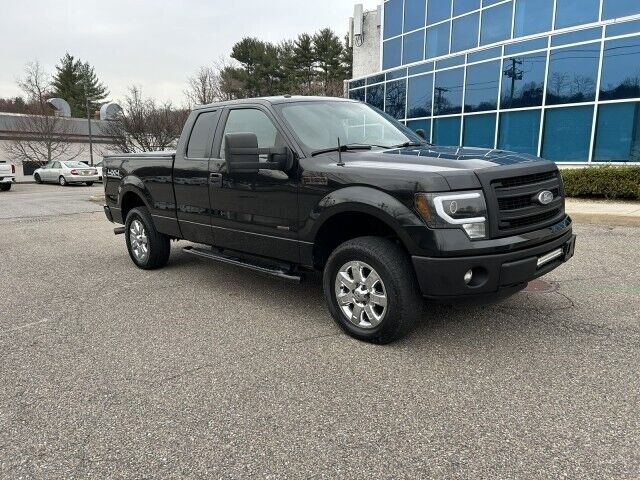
column 41, row 136
column 144, row 125
column 204, row 87
column 209, row 84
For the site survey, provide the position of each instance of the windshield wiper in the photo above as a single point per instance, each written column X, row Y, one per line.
column 409, row 144
column 341, row 148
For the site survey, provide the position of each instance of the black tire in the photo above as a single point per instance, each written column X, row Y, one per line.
column 62, row 181
column 37, row 178
column 5, row 187
column 404, row 303
column 89, row 184
column 159, row 245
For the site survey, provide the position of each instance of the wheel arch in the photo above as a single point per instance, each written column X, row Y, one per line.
column 358, row 211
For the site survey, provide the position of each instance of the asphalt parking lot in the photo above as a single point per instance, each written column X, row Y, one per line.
column 205, row 370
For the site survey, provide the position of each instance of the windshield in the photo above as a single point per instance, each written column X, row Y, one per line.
column 319, row 124
column 76, row 164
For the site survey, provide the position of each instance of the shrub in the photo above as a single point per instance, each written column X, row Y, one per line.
column 605, row 182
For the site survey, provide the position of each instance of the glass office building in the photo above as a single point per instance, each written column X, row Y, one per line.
column 555, row 78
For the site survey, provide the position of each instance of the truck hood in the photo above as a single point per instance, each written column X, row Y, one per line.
column 439, row 159
column 459, row 167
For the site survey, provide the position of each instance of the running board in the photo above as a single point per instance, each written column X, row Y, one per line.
column 275, row 272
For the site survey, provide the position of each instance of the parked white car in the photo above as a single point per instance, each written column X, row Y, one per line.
column 65, row 173
column 7, row 175
column 98, row 167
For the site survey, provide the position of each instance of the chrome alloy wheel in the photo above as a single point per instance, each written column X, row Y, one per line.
column 360, row 294
column 139, row 241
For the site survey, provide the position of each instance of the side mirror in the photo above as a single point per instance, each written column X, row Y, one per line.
column 421, row 134
column 243, row 155
column 241, row 152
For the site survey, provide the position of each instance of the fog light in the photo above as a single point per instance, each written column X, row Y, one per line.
column 468, row 276
column 475, row 230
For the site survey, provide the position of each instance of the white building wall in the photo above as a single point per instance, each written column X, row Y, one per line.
column 366, row 56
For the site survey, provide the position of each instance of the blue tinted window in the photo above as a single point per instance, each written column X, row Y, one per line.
column 485, row 54
column 422, row 68
column 391, row 53
column 561, row 124
column 412, row 50
column 486, row 3
column 419, row 96
column 357, row 94
column 424, row 125
column 519, row 131
column 482, row 87
column 414, row 14
column 619, row 8
column 618, row 133
column 396, row 74
column 464, row 32
column 375, row 79
column 465, row 6
column 576, row 37
column 537, row 44
column 623, row 28
column 572, row 74
column 576, row 12
column 448, row 92
column 356, row 83
column 446, row 131
column 375, row 95
column 532, row 16
column 438, row 10
column 396, row 98
column 523, row 80
column 621, row 69
column 450, row 62
column 392, row 18
column 437, row 40
column 496, row 24
column 479, row 130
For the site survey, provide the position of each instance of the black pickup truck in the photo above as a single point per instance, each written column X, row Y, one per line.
column 287, row 185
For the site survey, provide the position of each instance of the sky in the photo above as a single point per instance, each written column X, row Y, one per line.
column 154, row 44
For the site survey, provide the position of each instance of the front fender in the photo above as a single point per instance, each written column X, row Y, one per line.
column 367, row 200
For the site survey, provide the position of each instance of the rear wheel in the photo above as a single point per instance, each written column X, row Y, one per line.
column 148, row 248
column 37, row 178
column 89, row 184
column 62, row 181
column 371, row 290
column 5, row 187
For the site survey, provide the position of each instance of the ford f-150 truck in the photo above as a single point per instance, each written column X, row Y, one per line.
column 287, row 185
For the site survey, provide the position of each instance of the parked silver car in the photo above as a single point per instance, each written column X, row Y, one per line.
column 65, row 173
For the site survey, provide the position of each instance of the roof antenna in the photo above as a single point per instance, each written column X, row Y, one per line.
column 340, row 162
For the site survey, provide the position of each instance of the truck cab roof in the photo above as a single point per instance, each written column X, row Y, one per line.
column 274, row 100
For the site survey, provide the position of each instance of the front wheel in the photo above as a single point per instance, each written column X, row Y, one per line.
column 62, row 181
column 148, row 248
column 5, row 187
column 89, row 184
column 371, row 290
column 37, row 178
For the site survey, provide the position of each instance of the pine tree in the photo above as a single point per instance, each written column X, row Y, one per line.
column 70, row 81
column 329, row 51
column 304, row 58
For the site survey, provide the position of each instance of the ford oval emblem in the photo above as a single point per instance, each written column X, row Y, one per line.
column 545, row 197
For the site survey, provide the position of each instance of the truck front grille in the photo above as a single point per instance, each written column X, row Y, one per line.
column 517, row 209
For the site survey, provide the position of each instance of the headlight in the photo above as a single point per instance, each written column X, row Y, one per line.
column 466, row 210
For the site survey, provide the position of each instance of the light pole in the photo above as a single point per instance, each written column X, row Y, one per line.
column 86, row 101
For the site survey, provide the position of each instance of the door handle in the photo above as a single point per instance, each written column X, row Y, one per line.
column 215, row 179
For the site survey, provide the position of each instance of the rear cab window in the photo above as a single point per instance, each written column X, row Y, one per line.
column 201, row 137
